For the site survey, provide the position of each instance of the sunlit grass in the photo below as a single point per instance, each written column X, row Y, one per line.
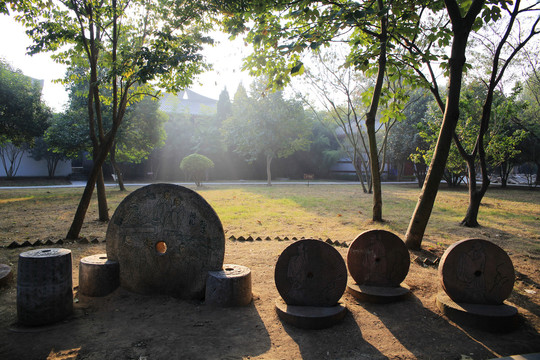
column 511, row 218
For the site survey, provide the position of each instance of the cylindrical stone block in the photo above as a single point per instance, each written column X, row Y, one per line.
column 98, row 276
column 44, row 286
column 229, row 287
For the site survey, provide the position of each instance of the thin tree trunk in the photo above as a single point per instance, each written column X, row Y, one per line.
column 102, row 197
column 117, row 170
column 269, row 158
column 461, row 29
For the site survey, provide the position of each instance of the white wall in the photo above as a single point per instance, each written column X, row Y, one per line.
column 31, row 167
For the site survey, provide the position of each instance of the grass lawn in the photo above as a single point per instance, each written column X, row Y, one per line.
column 508, row 217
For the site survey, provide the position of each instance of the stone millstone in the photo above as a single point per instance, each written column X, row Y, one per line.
column 378, row 294
column 476, row 271
column 229, row 287
column 98, row 276
column 493, row 318
column 5, row 274
column 310, row 273
column 378, row 258
column 44, row 286
column 310, row 317
column 166, row 238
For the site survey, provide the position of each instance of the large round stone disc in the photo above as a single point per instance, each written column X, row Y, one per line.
column 476, row 271
column 310, row 273
column 378, row 258
column 166, row 238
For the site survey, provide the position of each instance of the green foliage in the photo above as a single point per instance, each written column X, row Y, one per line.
column 196, row 167
column 23, row 116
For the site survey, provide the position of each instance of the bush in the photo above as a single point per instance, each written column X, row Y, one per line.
column 195, row 166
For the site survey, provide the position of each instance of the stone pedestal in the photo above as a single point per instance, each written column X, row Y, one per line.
column 98, row 276
column 229, row 287
column 44, row 286
column 492, row 318
column 310, row 317
column 378, row 294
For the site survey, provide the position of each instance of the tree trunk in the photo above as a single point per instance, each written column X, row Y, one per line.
column 102, row 197
column 375, row 173
column 116, row 168
column 269, row 158
column 424, row 207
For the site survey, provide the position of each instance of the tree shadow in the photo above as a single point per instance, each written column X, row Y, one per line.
column 125, row 325
column 323, row 343
column 413, row 325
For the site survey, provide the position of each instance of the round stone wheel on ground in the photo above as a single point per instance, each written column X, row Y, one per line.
column 476, row 271
column 44, row 286
column 166, row 239
column 310, row 273
column 98, row 276
column 5, row 274
column 228, row 287
column 378, row 258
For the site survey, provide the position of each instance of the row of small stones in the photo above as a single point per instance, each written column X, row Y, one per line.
column 277, row 238
column 27, row 243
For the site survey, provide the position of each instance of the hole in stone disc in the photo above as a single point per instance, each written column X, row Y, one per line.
column 310, row 275
column 161, row 247
column 46, row 250
column 229, row 269
column 477, row 273
column 103, row 257
column 377, row 259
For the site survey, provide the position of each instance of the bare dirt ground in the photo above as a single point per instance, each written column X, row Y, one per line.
column 124, row 325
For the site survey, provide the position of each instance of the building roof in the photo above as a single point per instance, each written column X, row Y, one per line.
column 188, row 101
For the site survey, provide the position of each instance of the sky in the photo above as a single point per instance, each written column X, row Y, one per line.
column 225, row 58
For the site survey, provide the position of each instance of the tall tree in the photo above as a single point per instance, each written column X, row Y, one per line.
column 283, row 30
column 266, row 124
column 23, row 115
column 133, row 42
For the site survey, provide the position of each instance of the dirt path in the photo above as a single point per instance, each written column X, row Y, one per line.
column 124, row 325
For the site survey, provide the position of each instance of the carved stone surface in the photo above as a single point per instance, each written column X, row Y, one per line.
column 230, row 286
column 166, row 238
column 44, row 286
column 476, row 271
column 98, row 276
column 310, row 317
column 378, row 258
column 310, row 273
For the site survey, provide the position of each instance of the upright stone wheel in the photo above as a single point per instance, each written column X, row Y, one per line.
column 477, row 276
column 166, row 239
column 311, row 277
column 378, row 258
column 476, row 271
column 228, row 287
column 378, row 261
column 44, row 286
column 310, row 273
column 98, row 276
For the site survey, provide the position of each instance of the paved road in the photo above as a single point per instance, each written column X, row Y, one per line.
column 77, row 184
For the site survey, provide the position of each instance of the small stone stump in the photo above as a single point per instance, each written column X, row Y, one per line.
column 229, row 287
column 477, row 277
column 44, row 286
column 378, row 262
column 166, row 239
column 310, row 276
column 98, row 276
